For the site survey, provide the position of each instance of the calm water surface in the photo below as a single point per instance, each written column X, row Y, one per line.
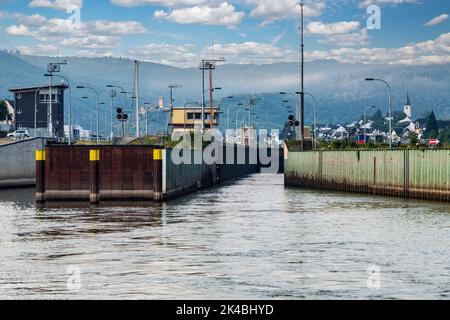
column 253, row 239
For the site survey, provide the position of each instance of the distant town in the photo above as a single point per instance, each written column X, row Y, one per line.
column 372, row 130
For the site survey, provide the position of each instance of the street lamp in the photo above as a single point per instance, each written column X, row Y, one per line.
column 70, row 102
column 98, row 109
column 315, row 116
column 148, row 106
column 228, row 114
column 76, row 100
column 365, row 122
column 390, row 107
column 237, row 115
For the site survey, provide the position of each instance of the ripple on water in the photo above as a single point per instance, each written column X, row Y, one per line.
column 251, row 239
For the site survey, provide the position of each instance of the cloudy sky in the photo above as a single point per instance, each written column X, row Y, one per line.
column 180, row 32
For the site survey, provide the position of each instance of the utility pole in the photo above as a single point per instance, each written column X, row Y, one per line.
column 112, row 94
column 209, row 64
column 301, row 117
column 136, row 90
column 211, row 101
column 171, row 87
column 52, row 67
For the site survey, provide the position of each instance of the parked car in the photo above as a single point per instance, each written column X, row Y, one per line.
column 21, row 133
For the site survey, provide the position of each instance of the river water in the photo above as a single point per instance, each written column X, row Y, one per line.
column 253, row 239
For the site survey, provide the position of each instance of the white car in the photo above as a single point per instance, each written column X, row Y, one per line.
column 22, row 133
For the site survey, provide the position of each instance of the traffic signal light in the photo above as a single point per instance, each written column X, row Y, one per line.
column 121, row 115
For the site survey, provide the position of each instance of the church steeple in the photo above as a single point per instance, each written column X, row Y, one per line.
column 407, row 101
column 407, row 109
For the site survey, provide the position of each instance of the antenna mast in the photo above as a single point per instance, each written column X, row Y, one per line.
column 302, row 78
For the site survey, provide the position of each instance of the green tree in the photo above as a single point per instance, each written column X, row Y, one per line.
column 432, row 126
column 413, row 139
column 444, row 136
column 377, row 117
column 3, row 111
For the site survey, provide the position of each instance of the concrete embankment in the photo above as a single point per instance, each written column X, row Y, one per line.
column 420, row 174
column 132, row 172
column 17, row 161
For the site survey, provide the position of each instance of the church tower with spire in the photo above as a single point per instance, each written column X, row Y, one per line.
column 407, row 109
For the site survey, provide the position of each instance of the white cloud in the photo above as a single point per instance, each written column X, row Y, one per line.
column 437, row 20
column 166, row 3
column 115, row 27
column 343, row 34
column 91, row 42
column 61, row 5
column 223, row 15
column 94, row 53
column 353, row 39
column 253, row 53
column 180, row 56
column 366, row 3
column 89, row 35
column 423, row 53
column 338, row 28
column 20, row 30
column 270, row 10
column 38, row 50
column 32, row 20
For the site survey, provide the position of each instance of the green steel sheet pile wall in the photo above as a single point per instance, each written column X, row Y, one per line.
column 422, row 174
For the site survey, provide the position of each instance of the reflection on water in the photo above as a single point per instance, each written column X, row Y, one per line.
column 251, row 239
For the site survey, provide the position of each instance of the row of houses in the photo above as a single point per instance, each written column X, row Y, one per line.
column 366, row 131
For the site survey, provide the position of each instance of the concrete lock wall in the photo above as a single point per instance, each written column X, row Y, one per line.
column 179, row 179
column 141, row 173
column 18, row 163
column 423, row 174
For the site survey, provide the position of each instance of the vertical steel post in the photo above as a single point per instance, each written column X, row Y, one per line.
column 203, row 95
column 40, row 176
column 302, row 92
column 211, row 107
column 94, row 166
column 157, row 174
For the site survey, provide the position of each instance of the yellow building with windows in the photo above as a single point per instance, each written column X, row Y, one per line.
column 186, row 119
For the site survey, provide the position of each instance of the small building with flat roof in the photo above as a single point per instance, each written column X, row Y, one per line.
column 186, row 119
column 29, row 100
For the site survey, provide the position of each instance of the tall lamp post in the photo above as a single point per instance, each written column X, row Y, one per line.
column 302, row 76
column 76, row 100
column 228, row 115
column 315, row 116
column 70, row 102
column 98, row 109
column 390, row 107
